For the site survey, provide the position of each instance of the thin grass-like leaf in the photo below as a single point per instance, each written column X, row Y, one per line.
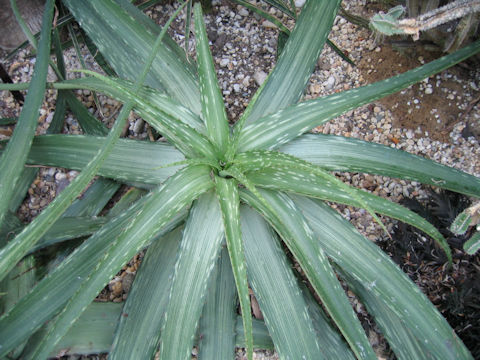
column 338, row 153
column 138, row 332
column 278, row 128
column 297, row 235
column 13, row 159
column 203, row 235
column 227, row 190
column 363, row 260
column 216, row 332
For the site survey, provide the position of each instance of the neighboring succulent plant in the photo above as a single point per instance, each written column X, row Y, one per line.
column 252, row 185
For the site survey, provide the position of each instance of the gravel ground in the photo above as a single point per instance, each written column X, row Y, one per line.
column 244, row 47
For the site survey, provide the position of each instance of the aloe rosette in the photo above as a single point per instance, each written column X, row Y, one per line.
column 214, row 204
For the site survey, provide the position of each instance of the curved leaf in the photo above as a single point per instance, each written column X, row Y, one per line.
column 297, row 235
column 308, row 184
column 276, row 129
column 367, row 264
column 338, row 153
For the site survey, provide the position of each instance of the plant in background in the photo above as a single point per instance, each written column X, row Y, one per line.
column 427, row 17
column 220, row 200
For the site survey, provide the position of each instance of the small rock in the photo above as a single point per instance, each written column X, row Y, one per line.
column 236, row 88
column 330, row 83
column 269, row 25
column 299, row 3
column 243, row 12
column 259, row 77
column 138, row 127
column 428, row 91
column 60, row 176
column 224, row 62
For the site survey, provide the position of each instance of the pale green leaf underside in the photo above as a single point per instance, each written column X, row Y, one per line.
column 130, row 160
column 217, row 324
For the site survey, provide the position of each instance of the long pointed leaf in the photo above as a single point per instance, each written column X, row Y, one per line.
column 198, row 252
column 213, row 109
column 297, row 235
column 287, row 82
column 227, row 190
column 123, row 40
column 276, row 129
column 338, row 153
column 13, row 159
column 130, row 160
column 162, row 206
column 51, row 294
column 277, row 291
column 308, row 184
column 362, row 259
column 217, row 324
column 138, row 332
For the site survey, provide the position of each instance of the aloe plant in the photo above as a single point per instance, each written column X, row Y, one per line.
column 217, row 203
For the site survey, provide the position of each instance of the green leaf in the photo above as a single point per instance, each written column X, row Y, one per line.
column 51, row 294
column 338, row 153
column 147, row 98
column 305, row 183
column 123, row 39
column 461, row 223
column 277, row 291
column 198, row 253
column 185, row 138
column 472, row 245
column 256, row 160
column 278, row 128
column 217, row 324
column 15, row 154
column 89, row 123
column 138, row 331
column 93, row 332
column 297, row 235
column 404, row 344
column 17, row 284
column 287, row 81
column 130, row 160
column 213, row 109
column 363, row 260
column 162, row 206
column 227, row 190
